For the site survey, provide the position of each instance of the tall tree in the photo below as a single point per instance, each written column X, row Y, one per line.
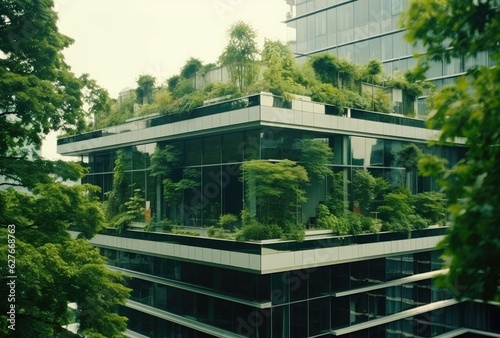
column 240, row 55
column 276, row 188
column 96, row 98
column 39, row 95
column 144, row 90
column 469, row 109
column 191, row 67
column 281, row 74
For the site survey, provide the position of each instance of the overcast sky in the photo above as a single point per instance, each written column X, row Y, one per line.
column 116, row 41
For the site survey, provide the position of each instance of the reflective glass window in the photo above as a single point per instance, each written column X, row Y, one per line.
column 345, row 17
column 319, row 316
column 360, row 13
column 192, row 152
column 212, row 149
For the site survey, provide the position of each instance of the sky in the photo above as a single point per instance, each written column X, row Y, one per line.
column 116, row 41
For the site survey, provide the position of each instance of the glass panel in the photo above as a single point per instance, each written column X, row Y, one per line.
column 340, row 312
column 361, row 13
column 271, row 144
column 375, row 49
column 211, row 195
column 319, row 282
column 281, row 321
column 319, row 316
column 232, row 147
column 298, row 282
column 400, row 46
column 361, row 52
column 341, row 277
column 331, row 20
column 212, row 150
column 192, row 152
column 298, row 319
column 232, row 189
column 345, row 17
column 252, row 145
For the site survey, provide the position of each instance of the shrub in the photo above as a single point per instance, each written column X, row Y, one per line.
column 228, row 221
column 165, row 225
column 418, row 222
column 430, row 205
column 376, row 225
column 355, row 223
column 257, row 231
column 215, row 232
column 325, row 220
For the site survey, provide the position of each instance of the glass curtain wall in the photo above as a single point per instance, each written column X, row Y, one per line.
column 214, row 165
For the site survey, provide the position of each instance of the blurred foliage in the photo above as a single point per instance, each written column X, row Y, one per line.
column 469, row 109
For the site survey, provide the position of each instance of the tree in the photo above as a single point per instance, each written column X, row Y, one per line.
column 276, row 188
column 469, row 109
column 240, row 55
column 363, row 189
column 192, row 66
column 119, row 193
column 281, row 73
column 165, row 163
column 145, row 87
column 315, row 155
column 408, row 158
column 96, row 98
column 372, row 70
column 39, row 95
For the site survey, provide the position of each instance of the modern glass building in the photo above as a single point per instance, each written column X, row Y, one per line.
column 359, row 30
column 368, row 285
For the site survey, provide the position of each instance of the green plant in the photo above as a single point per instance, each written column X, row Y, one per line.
column 335, row 197
column 325, row 220
column 240, row 55
column 165, row 225
column 315, row 155
column 215, row 232
column 277, row 189
column 363, row 189
column 136, row 206
column 257, row 231
column 430, row 205
column 228, row 221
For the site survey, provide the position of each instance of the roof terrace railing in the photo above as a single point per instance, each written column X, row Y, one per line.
column 273, row 246
column 235, row 104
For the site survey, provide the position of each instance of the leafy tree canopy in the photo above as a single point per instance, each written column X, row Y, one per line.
column 240, row 54
column 39, row 95
column 468, row 109
column 191, row 67
column 145, row 87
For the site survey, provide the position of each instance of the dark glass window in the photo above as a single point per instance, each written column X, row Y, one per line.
column 319, row 282
column 232, row 147
column 212, row 148
column 298, row 319
column 341, row 277
column 192, row 152
column 319, row 316
column 298, row 283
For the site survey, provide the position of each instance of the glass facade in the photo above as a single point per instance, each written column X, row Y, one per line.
column 359, row 30
column 216, row 162
column 300, row 303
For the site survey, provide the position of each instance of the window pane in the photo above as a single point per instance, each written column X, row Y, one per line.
column 212, row 150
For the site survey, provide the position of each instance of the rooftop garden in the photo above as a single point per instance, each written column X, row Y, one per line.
column 276, row 189
column 325, row 78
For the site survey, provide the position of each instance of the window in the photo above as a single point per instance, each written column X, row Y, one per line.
column 212, row 150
